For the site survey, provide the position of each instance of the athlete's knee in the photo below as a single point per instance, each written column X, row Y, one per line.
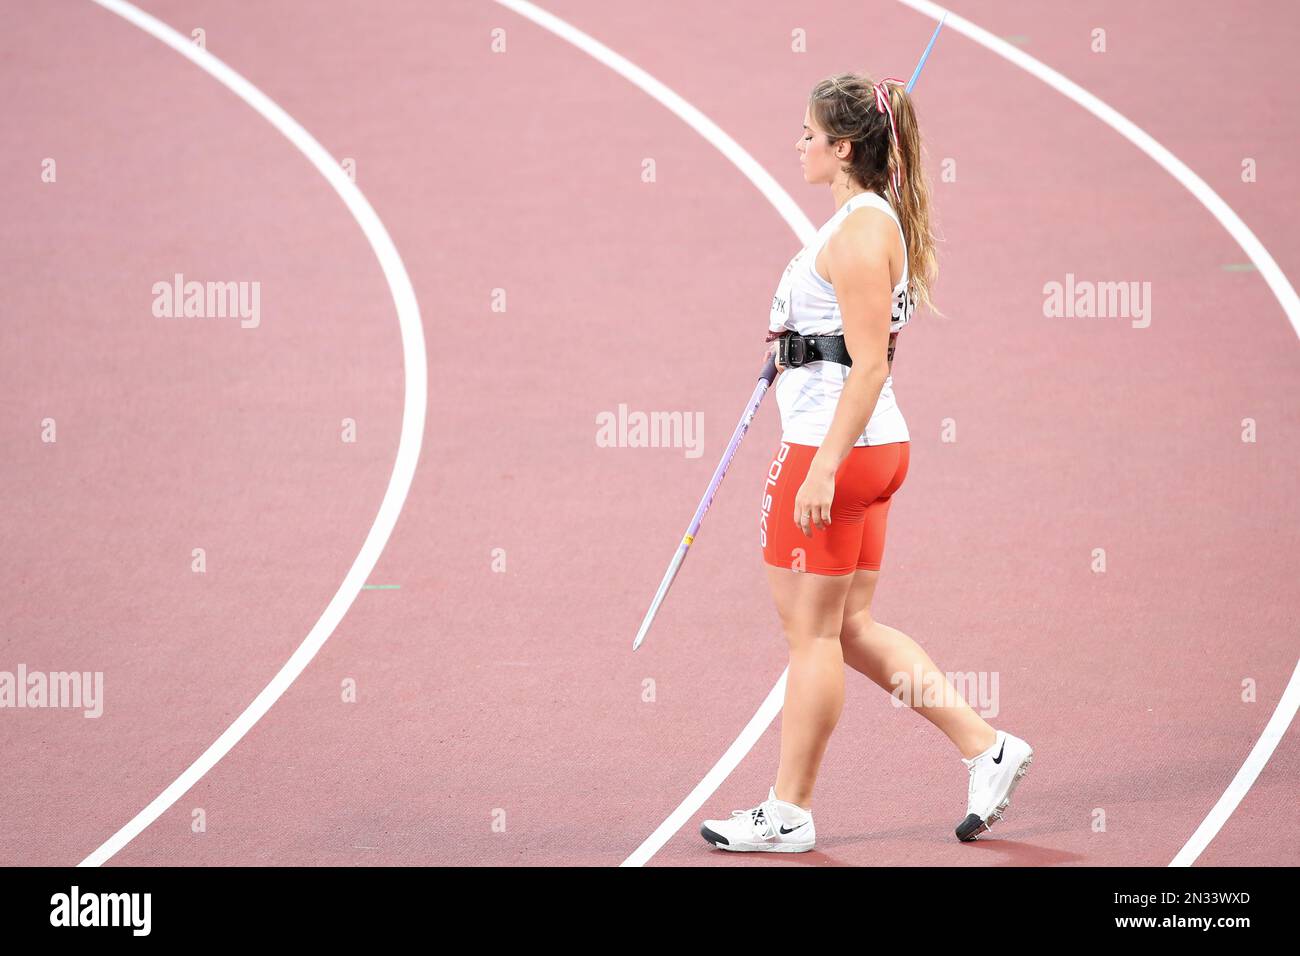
column 857, row 625
column 804, row 635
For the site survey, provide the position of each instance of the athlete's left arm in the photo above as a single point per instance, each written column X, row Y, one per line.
column 858, row 261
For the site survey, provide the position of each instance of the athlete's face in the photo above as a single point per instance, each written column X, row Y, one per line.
column 818, row 157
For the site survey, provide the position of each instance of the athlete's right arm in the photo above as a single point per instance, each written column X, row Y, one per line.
column 858, row 255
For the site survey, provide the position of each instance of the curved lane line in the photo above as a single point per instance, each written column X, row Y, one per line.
column 1246, row 776
column 1198, row 187
column 692, row 117
column 408, row 448
column 1277, row 282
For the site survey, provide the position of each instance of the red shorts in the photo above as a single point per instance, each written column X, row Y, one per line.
column 855, row 539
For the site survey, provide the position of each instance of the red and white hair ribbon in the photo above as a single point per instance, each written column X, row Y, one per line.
column 882, row 104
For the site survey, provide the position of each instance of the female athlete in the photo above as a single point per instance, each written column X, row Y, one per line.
column 843, row 454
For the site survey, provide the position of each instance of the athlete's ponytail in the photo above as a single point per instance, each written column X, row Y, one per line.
column 914, row 196
column 846, row 107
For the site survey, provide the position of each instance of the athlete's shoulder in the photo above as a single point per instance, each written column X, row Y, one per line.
column 865, row 233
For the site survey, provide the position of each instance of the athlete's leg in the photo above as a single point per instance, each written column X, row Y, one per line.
column 810, row 577
column 888, row 657
column 811, row 607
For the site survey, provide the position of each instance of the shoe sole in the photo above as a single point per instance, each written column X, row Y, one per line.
column 721, row 842
column 971, row 828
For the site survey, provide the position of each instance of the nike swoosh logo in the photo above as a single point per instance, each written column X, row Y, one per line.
column 998, row 758
column 792, row 829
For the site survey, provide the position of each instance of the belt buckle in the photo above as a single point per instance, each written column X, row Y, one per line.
column 793, row 351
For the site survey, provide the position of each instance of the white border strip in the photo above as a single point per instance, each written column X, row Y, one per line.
column 1283, row 714
column 1198, row 187
column 805, row 231
column 408, row 448
column 1268, row 268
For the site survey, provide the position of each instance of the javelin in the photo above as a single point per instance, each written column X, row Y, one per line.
column 765, row 379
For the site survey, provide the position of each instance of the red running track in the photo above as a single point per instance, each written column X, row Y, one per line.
column 485, row 696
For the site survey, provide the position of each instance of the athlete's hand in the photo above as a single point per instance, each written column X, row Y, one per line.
column 812, row 505
column 774, row 350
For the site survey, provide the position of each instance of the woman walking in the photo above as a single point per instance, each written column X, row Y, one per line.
column 844, row 453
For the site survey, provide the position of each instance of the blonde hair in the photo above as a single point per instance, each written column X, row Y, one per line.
column 844, row 106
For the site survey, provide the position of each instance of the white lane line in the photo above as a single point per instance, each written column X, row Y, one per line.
column 692, row 117
column 408, row 448
column 805, row 231
column 1198, row 187
column 741, row 746
column 1268, row 268
column 1246, row 776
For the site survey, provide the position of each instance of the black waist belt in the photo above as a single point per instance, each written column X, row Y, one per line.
column 795, row 350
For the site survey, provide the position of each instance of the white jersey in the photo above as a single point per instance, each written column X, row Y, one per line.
column 805, row 303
